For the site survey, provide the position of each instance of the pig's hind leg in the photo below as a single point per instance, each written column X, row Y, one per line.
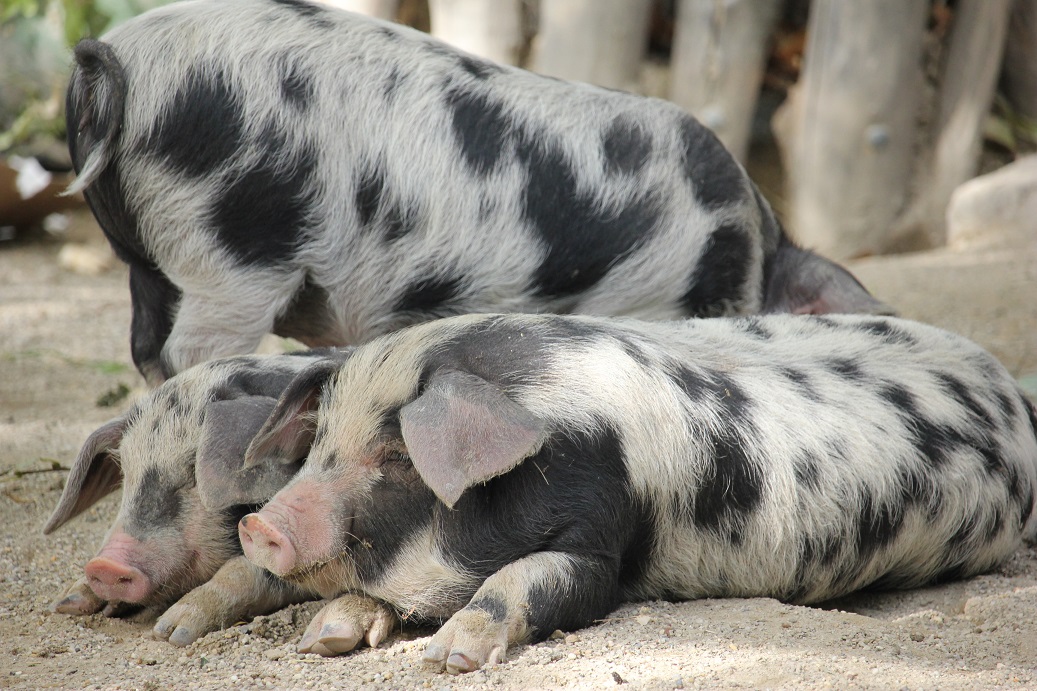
column 238, row 591
column 525, row 601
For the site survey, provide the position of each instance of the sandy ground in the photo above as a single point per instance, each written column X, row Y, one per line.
column 64, row 348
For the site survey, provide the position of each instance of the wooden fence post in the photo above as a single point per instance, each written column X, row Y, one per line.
column 489, row 28
column 383, row 9
column 1021, row 58
column 853, row 136
column 597, row 41
column 719, row 56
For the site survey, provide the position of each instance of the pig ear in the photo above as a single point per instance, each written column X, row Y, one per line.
column 219, row 471
column 93, row 475
column 288, row 433
column 802, row 282
column 463, row 430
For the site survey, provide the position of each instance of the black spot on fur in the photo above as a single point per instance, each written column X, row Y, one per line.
column 308, row 317
column 733, row 400
column 369, row 190
column 730, row 488
column 581, row 239
column 400, row 221
column 481, row 127
column 480, row 69
column 154, row 299
column 808, row 472
column 877, row 526
column 492, row 605
column 846, row 368
column 156, row 503
column 692, row 383
column 202, row 126
column 261, row 214
column 626, row 146
column 313, row 12
column 392, row 83
column 932, row 440
column 716, row 177
column 430, row 294
column 960, row 392
column 802, row 381
column 753, row 327
column 721, row 273
column 297, row 87
column 885, row 330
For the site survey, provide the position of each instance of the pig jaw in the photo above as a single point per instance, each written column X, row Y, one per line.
column 295, row 533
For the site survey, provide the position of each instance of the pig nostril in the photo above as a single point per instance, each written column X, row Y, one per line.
column 125, row 579
column 273, row 545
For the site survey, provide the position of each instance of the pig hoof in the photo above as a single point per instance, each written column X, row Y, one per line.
column 183, row 636
column 173, row 627
column 344, row 623
column 469, row 640
column 331, row 641
column 78, row 599
column 459, row 663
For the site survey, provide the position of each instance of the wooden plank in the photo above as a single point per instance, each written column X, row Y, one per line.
column 854, row 133
column 719, row 56
column 597, row 41
column 974, row 55
column 489, row 28
column 382, row 9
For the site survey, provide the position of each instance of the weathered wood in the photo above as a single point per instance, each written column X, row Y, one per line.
column 597, row 41
column 853, row 136
column 974, row 53
column 1020, row 65
column 489, row 28
column 383, row 9
column 719, row 56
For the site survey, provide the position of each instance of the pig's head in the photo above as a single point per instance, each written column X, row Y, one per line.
column 177, row 454
column 394, row 435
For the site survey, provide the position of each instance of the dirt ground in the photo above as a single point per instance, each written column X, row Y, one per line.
column 64, row 351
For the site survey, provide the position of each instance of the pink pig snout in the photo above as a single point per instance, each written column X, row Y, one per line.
column 296, row 529
column 111, row 574
column 265, row 545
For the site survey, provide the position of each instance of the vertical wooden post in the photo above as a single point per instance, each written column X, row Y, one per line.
column 974, row 53
column 853, row 137
column 488, row 28
column 719, row 55
column 382, row 9
column 1021, row 58
column 597, row 41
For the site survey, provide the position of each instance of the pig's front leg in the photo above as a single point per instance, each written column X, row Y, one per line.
column 344, row 622
column 526, row 600
column 238, row 591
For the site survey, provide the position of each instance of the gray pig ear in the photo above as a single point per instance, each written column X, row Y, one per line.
column 219, row 471
column 288, row 433
column 463, row 430
column 93, row 476
column 802, row 282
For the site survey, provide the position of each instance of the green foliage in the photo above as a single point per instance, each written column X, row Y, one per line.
column 81, row 17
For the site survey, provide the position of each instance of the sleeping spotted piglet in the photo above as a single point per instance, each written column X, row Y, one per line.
column 177, row 453
column 513, row 475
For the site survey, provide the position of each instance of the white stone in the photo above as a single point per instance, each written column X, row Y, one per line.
column 995, row 210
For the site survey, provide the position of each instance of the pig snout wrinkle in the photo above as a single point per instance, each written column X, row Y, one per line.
column 113, row 580
column 266, row 546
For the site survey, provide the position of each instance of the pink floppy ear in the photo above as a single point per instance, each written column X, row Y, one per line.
column 94, row 474
column 287, row 434
column 219, row 471
column 463, row 430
